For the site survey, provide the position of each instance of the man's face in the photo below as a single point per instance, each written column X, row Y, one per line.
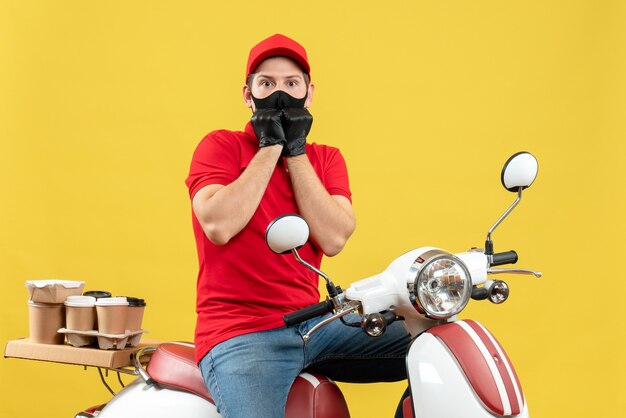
column 277, row 73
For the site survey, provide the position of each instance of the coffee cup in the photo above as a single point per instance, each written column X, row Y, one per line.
column 98, row 294
column 45, row 319
column 136, row 306
column 112, row 315
column 80, row 313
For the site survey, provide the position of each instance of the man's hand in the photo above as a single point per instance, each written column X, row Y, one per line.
column 268, row 127
column 296, row 124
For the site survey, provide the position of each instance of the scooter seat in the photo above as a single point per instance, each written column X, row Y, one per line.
column 311, row 396
column 314, row 395
column 174, row 365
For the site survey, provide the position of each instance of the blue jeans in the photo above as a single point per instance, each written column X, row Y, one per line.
column 250, row 375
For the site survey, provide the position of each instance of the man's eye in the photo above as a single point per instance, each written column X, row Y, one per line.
column 266, row 83
column 292, row 83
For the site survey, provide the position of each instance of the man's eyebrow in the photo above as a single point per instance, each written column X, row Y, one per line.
column 296, row 75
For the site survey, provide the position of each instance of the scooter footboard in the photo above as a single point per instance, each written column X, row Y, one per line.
column 459, row 369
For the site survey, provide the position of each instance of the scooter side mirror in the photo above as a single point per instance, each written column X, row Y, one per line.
column 286, row 233
column 518, row 173
column 520, row 170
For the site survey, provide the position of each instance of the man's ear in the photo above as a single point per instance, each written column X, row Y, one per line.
column 309, row 97
column 247, row 96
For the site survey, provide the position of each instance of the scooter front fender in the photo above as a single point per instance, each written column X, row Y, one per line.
column 141, row 400
column 459, row 369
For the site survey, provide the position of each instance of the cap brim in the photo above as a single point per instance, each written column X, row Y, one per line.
column 280, row 52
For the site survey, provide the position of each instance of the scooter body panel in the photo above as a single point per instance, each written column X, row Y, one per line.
column 141, row 400
column 440, row 386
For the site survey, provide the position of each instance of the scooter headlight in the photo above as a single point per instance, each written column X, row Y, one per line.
column 440, row 285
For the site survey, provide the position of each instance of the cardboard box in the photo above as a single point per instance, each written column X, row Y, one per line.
column 53, row 291
column 64, row 353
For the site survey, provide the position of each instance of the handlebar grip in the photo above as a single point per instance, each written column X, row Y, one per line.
column 479, row 293
column 507, row 257
column 309, row 312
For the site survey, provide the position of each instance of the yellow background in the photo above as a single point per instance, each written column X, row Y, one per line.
column 103, row 102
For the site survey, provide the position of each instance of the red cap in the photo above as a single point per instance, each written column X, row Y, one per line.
column 277, row 45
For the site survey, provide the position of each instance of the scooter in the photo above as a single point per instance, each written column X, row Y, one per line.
column 455, row 367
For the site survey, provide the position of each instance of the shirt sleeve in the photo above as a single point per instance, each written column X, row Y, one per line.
column 336, row 174
column 214, row 161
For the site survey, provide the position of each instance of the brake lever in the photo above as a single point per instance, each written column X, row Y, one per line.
column 514, row 271
column 349, row 307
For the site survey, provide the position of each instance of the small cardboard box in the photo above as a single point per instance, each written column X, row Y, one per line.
column 63, row 353
column 53, row 291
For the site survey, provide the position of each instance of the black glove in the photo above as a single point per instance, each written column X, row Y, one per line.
column 296, row 124
column 268, row 127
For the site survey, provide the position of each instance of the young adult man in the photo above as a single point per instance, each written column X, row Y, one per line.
column 239, row 182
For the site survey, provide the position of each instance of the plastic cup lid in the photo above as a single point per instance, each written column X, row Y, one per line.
column 132, row 301
column 80, row 301
column 118, row 301
column 98, row 294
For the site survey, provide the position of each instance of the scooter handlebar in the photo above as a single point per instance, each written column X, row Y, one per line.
column 507, row 257
column 309, row 312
